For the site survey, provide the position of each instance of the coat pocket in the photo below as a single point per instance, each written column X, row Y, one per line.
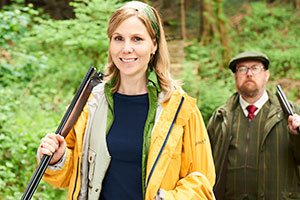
column 91, row 161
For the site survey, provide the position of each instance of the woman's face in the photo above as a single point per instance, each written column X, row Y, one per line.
column 131, row 47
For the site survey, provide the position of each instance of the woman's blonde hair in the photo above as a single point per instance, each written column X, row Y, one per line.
column 160, row 61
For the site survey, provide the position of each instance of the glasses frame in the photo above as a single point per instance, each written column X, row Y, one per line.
column 256, row 69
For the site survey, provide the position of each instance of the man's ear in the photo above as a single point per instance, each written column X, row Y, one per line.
column 235, row 76
column 267, row 75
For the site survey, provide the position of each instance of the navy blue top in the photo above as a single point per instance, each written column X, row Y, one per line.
column 123, row 179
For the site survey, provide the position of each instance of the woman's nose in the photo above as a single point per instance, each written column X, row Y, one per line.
column 127, row 48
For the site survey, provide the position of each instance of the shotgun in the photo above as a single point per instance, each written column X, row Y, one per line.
column 91, row 79
column 285, row 103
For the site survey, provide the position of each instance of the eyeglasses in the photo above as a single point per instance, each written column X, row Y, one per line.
column 255, row 69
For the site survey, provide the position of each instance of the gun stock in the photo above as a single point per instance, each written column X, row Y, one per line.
column 80, row 103
column 91, row 79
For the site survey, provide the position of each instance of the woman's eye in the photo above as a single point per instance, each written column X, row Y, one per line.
column 118, row 38
column 138, row 39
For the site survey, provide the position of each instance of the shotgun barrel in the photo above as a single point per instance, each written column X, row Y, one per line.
column 91, row 79
column 285, row 103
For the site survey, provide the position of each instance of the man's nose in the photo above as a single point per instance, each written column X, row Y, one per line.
column 249, row 71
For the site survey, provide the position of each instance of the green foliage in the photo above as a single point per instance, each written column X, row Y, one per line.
column 208, row 59
column 14, row 24
column 21, row 72
column 273, row 31
column 45, row 63
column 71, row 46
column 86, row 33
column 22, row 124
column 42, row 62
column 209, row 92
column 16, row 156
column 270, row 30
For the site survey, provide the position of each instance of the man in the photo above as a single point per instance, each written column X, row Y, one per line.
column 256, row 149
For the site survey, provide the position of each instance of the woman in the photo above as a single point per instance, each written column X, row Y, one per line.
column 139, row 136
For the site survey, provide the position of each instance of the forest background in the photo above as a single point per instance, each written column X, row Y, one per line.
column 47, row 46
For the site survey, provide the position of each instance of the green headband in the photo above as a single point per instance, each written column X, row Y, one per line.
column 147, row 10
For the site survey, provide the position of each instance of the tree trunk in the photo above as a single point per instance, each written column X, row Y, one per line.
column 3, row 3
column 297, row 4
column 201, row 27
column 214, row 28
column 223, row 32
column 183, row 28
column 210, row 29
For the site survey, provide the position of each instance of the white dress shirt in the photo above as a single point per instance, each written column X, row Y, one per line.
column 259, row 103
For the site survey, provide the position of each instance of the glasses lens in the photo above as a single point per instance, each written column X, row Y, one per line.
column 256, row 69
column 243, row 69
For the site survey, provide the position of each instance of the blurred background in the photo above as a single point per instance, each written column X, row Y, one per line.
column 46, row 47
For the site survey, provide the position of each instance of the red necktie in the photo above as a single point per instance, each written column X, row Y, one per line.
column 251, row 109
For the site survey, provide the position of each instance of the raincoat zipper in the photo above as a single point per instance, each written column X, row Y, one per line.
column 75, row 179
column 164, row 144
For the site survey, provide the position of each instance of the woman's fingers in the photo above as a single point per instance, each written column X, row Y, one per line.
column 52, row 144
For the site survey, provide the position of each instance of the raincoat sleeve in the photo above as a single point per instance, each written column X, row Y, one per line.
column 64, row 175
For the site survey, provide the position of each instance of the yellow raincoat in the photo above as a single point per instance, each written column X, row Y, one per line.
column 179, row 163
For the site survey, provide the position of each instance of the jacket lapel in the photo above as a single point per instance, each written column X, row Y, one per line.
column 274, row 117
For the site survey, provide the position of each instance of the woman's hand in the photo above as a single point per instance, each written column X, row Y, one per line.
column 53, row 144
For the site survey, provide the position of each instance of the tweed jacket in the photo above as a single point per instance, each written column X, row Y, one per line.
column 277, row 178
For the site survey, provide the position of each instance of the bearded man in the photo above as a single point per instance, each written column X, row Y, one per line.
column 255, row 144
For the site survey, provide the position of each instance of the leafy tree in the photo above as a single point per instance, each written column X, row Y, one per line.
column 46, row 62
column 14, row 24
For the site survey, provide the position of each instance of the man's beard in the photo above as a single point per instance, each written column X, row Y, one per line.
column 246, row 92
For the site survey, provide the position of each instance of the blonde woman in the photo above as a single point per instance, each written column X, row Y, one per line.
column 140, row 136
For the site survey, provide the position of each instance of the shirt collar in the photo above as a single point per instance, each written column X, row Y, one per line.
column 259, row 103
column 152, row 79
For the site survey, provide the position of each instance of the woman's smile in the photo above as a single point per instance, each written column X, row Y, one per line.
column 128, row 60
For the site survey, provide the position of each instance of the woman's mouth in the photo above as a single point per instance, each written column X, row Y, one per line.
column 128, row 60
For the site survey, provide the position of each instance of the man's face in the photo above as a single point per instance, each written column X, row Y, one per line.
column 251, row 78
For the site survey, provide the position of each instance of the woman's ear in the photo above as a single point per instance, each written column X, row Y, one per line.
column 154, row 48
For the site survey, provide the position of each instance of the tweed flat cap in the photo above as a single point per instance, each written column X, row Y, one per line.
column 249, row 55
